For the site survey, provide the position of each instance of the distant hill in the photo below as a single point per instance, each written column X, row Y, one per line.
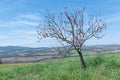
column 20, row 51
column 19, row 48
column 102, row 46
column 12, row 49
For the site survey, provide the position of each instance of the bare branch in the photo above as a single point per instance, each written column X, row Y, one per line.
column 69, row 27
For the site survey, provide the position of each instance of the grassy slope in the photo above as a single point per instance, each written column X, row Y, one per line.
column 106, row 67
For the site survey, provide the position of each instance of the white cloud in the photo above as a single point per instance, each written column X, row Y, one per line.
column 18, row 23
column 29, row 16
column 26, row 32
column 3, row 37
column 114, row 18
column 20, row 37
column 26, row 23
column 22, row 20
column 21, row 42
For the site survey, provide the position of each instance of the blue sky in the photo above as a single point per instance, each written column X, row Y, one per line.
column 19, row 18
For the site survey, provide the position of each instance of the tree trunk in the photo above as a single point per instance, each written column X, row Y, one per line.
column 82, row 60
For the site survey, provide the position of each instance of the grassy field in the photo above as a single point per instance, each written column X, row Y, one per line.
column 104, row 67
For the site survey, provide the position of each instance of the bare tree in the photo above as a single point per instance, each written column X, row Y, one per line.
column 73, row 27
column 0, row 61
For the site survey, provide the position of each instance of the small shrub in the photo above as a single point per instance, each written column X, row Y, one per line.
column 112, row 64
column 95, row 61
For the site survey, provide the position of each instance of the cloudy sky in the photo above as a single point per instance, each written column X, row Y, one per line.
column 19, row 19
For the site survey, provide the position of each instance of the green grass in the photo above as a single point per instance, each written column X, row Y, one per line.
column 104, row 67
